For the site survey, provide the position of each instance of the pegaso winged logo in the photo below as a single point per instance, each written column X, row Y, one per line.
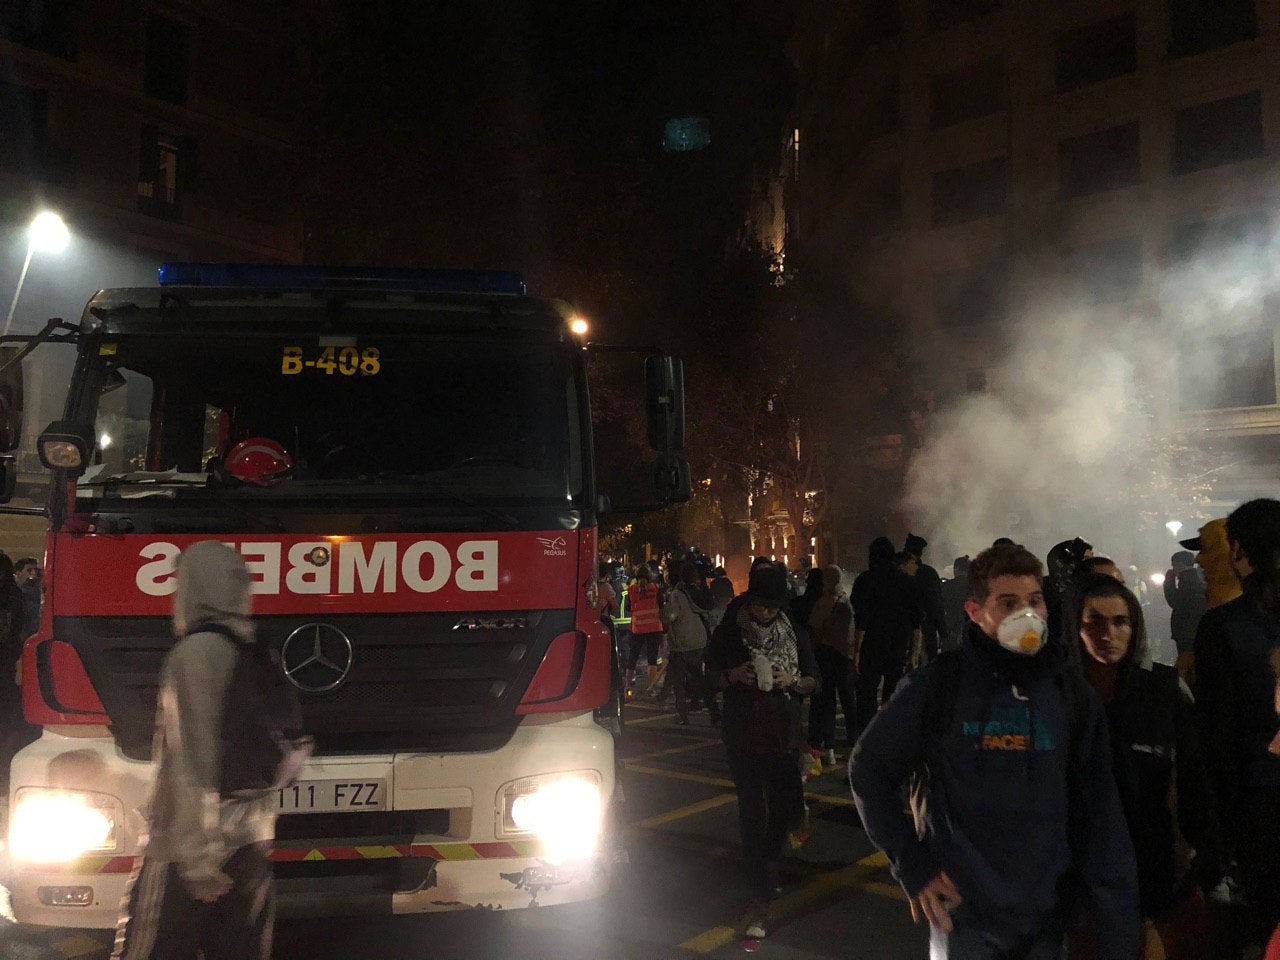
column 553, row 546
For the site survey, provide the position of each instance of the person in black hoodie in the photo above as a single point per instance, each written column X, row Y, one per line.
column 886, row 619
column 1235, row 700
column 933, row 626
column 765, row 667
column 1020, row 826
column 1155, row 747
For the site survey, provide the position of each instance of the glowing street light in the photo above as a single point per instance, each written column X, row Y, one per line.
column 579, row 326
column 1174, row 527
column 47, row 234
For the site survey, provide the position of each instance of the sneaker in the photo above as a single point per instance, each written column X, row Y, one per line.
column 755, row 923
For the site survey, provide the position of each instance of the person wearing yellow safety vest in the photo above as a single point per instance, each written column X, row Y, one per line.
column 643, row 601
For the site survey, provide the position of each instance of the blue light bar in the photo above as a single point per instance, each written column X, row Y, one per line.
column 308, row 276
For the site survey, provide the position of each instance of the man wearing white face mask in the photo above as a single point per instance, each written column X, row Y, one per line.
column 1019, row 833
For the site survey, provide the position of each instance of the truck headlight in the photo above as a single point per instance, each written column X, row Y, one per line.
column 563, row 810
column 57, row 826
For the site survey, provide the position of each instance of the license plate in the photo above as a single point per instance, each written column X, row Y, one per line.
column 316, row 796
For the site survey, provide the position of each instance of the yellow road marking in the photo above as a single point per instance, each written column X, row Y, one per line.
column 680, row 813
column 890, row 890
column 79, row 946
column 677, row 775
column 657, row 716
column 709, row 940
column 722, row 782
column 853, row 878
column 696, row 745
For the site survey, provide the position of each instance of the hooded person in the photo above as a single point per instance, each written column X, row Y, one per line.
column 1062, row 561
column 887, row 613
column 1155, row 744
column 1018, row 826
column 1235, row 701
column 933, row 626
column 831, row 632
column 204, row 883
column 765, row 667
column 1213, row 555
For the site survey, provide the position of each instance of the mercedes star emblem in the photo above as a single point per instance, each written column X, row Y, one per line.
column 317, row 657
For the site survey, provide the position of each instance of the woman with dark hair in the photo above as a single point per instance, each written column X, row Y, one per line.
column 1158, row 764
column 802, row 606
column 1235, row 699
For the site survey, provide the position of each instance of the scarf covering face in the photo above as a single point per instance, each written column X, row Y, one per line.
column 776, row 640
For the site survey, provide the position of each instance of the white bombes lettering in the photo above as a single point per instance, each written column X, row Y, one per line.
column 305, row 575
column 411, row 566
column 477, row 565
column 426, row 566
column 156, row 578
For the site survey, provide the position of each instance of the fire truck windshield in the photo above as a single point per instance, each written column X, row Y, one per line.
column 338, row 416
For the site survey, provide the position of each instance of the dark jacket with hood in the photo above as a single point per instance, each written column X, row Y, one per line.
column 189, row 824
column 886, row 606
column 1187, row 596
column 746, row 706
column 1235, row 698
column 1024, row 829
column 1155, row 745
column 933, row 624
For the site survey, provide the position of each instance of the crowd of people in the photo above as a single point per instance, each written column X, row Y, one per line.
column 1069, row 796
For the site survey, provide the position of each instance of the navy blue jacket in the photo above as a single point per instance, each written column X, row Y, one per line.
column 997, row 814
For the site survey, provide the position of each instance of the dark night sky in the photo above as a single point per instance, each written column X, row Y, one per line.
column 528, row 134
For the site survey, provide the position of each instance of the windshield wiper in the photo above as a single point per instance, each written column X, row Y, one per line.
column 163, row 481
column 432, row 488
column 143, row 478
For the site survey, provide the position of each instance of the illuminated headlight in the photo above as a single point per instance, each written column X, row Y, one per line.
column 563, row 810
column 57, row 826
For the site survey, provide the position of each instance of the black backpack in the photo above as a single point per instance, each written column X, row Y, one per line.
column 263, row 745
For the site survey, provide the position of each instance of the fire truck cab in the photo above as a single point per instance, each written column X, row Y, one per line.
column 404, row 460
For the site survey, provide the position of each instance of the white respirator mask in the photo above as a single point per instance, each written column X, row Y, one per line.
column 1022, row 632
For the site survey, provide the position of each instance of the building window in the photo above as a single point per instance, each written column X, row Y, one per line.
column 1216, row 133
column 1096, row 52
column 949, row 13
column 973, row 91
column 165, row 172
column 168, row 59
column 1238, row 238
column 1234, row 370
column 45, row 25
column 1102, row 160
column 1196, row 26
column 1107, row 272
column 970, row 193
column 974, row 296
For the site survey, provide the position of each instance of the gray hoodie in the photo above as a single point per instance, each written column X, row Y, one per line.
column 190, row 825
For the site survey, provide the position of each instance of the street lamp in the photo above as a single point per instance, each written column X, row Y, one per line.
column 48, row 234
column 1174, row 527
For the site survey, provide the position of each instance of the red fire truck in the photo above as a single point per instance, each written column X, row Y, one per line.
column 404, row 459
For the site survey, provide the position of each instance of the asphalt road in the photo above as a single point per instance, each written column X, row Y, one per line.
column 679, row 895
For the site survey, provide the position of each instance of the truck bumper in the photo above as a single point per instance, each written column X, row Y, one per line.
column 346, row 870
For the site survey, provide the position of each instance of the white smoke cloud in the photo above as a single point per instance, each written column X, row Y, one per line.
column 1078, row 434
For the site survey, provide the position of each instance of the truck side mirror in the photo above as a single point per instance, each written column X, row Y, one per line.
column 664, row 403
column 671, row 480
column 66, row 445
column 8, row 478
column 10, row 399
